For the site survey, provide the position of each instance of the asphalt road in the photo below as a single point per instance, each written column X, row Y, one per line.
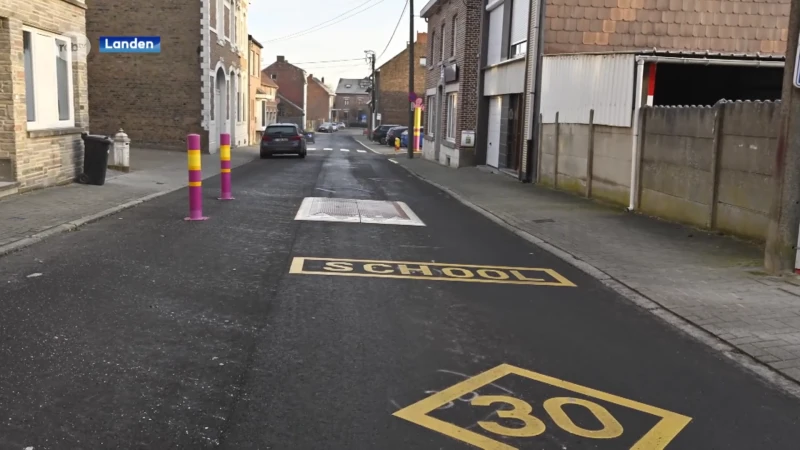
column 142, row 331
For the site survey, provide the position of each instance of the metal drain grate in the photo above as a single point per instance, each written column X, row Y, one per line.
column 380, row 212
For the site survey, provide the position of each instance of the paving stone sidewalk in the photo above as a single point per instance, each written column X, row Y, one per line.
column 152, row 172
column 713, row 281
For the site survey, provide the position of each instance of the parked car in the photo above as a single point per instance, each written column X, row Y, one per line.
column 326, row 127
column 335, row 126
column 394, row 133
column 283, row 139
column 341, row 125
column 379, row 134
column 404, row 138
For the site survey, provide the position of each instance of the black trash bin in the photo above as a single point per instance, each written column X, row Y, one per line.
column 95, row 158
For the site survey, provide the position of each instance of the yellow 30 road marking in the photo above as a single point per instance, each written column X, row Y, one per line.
column 522, row 413
column 428, row 271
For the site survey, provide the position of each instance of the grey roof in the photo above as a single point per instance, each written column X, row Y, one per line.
column 354, row 86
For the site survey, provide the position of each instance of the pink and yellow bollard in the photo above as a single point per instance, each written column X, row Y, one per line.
column 195, row 178
column 225, row 166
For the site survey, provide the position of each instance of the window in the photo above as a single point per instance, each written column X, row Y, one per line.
column 452, row 115
column 211, row 96
column 494, row 52
column 433, row 47
column 263, row 113
column 226, row 21
column 453, row 36
column 360, row 100
column 234, row 25
column 519, row 27
column 228, row 96
column 48, row 80
column 346, row 101
column 430, row 108
column 212, row 22
column 239, row 98
column 441, row 46
column 274, row 76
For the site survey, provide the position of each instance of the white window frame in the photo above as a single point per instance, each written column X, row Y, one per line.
column 226, row 5
column 347, row 101
column 45, row 82
column 452, row 116
column 431, row 109
column 239, row 103
column 216, row 21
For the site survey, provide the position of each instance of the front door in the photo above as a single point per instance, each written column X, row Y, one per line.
column 515, row 126
column 493, row 132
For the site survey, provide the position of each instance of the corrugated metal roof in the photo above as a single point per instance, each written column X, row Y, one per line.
column 685, row 54
column 573, row 85
column 351, row 86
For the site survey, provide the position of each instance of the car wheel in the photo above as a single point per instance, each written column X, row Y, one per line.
column 382, row 141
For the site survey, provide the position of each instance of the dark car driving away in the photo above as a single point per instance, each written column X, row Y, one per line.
column 283, row 139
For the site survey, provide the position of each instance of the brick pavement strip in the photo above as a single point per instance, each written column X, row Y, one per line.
column 31, row 217
column 707, row 285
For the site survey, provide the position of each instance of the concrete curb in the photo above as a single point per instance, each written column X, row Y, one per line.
column 75, row 224
column 765, row 372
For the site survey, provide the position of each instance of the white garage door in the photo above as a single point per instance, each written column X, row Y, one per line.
column 493, row 134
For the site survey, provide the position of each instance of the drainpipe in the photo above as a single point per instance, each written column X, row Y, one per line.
column 637, row 101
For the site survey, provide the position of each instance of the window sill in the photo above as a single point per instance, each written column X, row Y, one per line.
column 49, row 132
column 449, row 143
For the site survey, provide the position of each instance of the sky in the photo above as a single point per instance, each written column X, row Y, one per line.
column 368, row 26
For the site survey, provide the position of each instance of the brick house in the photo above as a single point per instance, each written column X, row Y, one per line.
column 288, row 111
column 393, row 104
column 254, row 86
column 452, row 79
column 320, row 102
column 41, row 117
column 351, row 105
column 193, row 86
column 292, row 86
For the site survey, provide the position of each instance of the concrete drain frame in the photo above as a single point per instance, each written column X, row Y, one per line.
column 349, row 210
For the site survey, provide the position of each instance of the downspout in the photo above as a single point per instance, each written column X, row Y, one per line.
column 637, row 101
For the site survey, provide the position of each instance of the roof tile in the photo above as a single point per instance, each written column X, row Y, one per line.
column 589, row 38
column 784, row 34
column 699, row 6
column 623, row 27
column 675, row 5
column 712, row 31
column 584, row 2
column 637, row 4
column 577, row 12
column 699, row 31
column 610, row 3
column 713, row 6
column 673, row 29
column 624, row 4
column 570, row 25
column 602, row 38
column 686, row 30
column 780, row 47
column 596, row 26
column 629, row 15
column 661, row 29
column 616, row 14
column 583, row 25
column 556, row 24
column 603, row 13
column 662, row 5
column 705, row 18
column 590, row 13
column 599, row 3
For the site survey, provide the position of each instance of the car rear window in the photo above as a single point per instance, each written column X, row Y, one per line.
column 281, row 129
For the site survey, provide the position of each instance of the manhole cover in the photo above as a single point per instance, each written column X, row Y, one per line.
column 354, row 210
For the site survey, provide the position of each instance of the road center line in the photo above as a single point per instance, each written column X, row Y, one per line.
column 328, row 149
column 344, row 150
column 361, row 151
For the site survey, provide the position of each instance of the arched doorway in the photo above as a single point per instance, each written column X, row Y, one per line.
column 220, row 105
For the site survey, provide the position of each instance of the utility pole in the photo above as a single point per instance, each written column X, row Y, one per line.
column 373, row 87
column 781, row 247
column 537, row 91
column 411, row 77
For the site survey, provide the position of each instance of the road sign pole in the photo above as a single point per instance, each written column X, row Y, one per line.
column 410, row 69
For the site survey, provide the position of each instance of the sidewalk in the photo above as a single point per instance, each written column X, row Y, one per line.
column 376, row 147
column 29, row 217
column 711, row 281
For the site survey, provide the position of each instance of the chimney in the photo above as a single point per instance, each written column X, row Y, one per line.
column 323, row 80
column 422, row 38
column 281, row 59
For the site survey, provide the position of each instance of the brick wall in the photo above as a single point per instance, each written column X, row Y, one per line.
column 468, row 15
column 393, row 101
column 290, row 80
column 46, row 157
column 319, row 101
column 155, row 98
column 723, row 26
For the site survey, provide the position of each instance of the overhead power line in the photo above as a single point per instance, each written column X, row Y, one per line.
column 330, row 61
column 399, row 19
column 329, row 22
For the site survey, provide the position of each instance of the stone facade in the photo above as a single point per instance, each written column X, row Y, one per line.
column 393, row 104
column 320, row 101
column 467, row 14
column 39, row 154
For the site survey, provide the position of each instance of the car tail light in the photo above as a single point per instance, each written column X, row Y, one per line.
column 295, row 138
column 266, row 138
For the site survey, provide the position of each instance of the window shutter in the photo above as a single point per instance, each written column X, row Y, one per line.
column 519, row 21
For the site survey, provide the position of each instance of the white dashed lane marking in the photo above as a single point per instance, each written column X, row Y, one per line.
column 311, row 149
column 344, row 150
column 361, row 151
column 328, row 149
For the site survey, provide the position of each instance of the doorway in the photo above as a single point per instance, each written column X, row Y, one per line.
column 220, row 118
column 493, row 132
column 515, row 127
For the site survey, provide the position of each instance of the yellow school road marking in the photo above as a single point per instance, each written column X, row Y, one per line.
column 521, row 412
column 408, row 270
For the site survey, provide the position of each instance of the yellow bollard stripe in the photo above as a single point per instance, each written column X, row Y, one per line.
column 225, row 170
column 195, row 159
column 225, row 152
column 195, row 184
